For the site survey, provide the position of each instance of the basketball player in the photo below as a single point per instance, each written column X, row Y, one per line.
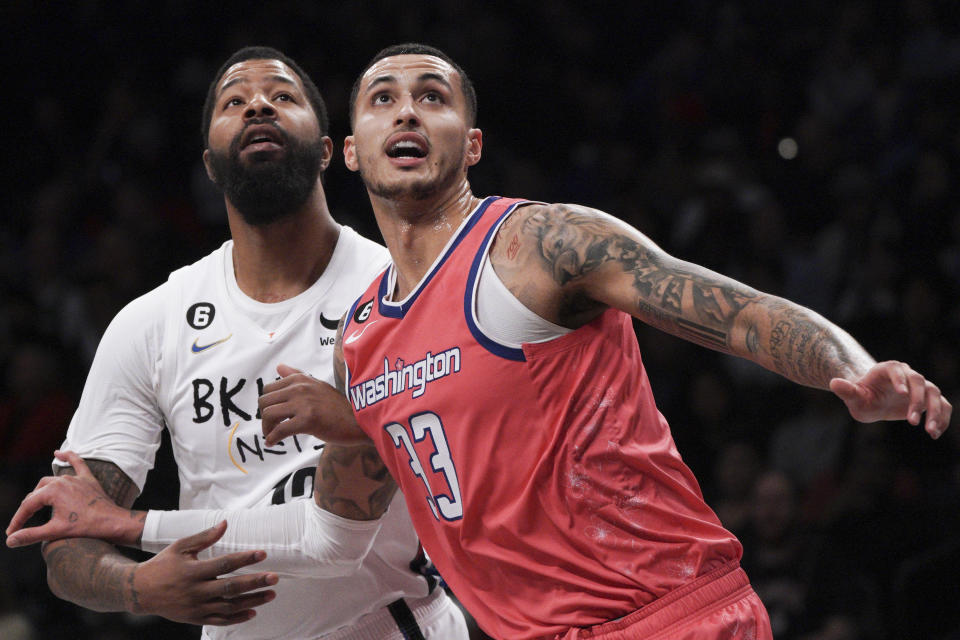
column 495, row 368
column 194, row 355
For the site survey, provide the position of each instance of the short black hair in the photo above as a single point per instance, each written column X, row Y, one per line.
column 265, row 53
column 415, row 48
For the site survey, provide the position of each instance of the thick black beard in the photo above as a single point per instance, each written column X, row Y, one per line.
column 268, row 190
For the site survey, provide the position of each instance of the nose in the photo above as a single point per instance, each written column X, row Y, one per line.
column 406, row 113
column 259, row 107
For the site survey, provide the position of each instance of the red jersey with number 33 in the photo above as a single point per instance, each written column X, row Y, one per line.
column 543, row 481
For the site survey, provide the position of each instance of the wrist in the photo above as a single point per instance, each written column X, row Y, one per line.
column 131, row 595
column 128, row 528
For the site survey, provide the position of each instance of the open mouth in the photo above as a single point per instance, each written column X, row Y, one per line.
column 261, row 135
column 407, row 145
column 406, row 149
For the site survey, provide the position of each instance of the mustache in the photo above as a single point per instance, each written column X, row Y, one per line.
column 235, row 143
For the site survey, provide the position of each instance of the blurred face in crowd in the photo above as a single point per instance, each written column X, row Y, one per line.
column 411, row 134
column 264, row 148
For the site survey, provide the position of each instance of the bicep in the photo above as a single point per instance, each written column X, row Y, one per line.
column 339, row 364
column 589, row 260
column 114, row 482
column 353, row 482
column 118, row 417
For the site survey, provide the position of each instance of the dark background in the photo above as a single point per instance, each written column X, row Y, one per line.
column 808, row 149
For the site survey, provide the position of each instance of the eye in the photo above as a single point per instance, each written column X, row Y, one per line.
column 433, row 96
column 381, row 98
column 285, row 97
column 233, row 102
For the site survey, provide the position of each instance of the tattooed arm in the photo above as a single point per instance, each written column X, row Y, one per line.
column 174, row 584
column 89, row 572
column 351, row 480
column 568, row 263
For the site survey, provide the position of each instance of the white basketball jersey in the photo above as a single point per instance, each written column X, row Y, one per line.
column 194, row 355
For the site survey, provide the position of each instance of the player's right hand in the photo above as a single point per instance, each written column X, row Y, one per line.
column 299, row 403
column 81, row 509
column 177, row 585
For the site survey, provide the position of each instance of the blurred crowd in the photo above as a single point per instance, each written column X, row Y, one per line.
column 810, row 150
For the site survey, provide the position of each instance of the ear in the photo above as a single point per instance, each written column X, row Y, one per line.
column 350, row 154
column 208, row 166
column 327, row 152
column 474, row 146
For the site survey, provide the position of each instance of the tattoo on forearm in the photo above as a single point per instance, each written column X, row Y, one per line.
column 90, row 572
column 79, row 570
column 802, row 349
column 353, row 482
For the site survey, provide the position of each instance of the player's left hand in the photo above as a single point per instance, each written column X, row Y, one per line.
column 80, row 509
column 299, row 403
column 893, row 391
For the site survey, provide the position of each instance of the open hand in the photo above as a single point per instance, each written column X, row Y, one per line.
column 177, row 585
column 81, row 509
column 299, row 403
column 893, row 391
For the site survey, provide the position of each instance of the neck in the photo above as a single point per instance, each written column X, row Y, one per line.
column 416, row 231
column 282, row 259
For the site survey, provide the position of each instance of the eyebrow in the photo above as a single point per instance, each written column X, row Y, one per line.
column 239, row 79
column 386, row 79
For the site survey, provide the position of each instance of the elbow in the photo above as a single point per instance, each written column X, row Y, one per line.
column 337, row 561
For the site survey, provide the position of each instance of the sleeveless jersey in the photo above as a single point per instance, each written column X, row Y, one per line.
column 543, row 481
column 194, row 355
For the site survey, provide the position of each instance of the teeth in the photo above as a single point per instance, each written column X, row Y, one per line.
column 406, row 145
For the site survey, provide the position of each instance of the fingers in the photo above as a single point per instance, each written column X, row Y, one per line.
column 938, row 411
column 75, row 461
column 897, row 372
column 234, row 610
column 238, row 588
column 222, row 565
column 287, row 426
column 273, row 411
column 34, row 501
column 284, row 370
column 917, row 386
column 843, row 388
column 217, row 620
column 225, row 610
column 200, row 541
column 287, row 381
column 33, row 535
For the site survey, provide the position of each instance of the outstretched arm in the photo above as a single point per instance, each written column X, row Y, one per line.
column 568, row 263
column 352, row 489
column 175, row 584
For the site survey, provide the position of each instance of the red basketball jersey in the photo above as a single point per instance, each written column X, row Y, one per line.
column 543, row 481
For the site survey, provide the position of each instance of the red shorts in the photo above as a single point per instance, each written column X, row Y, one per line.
column 720, row 605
